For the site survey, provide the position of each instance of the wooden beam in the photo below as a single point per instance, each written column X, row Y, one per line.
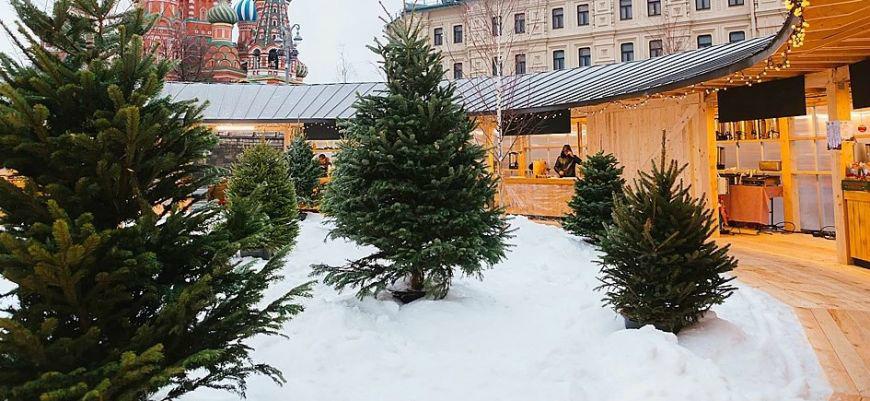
column 712, row 156
column 839, row 109
column 790, row 198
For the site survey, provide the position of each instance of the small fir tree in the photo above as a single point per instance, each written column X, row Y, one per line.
column 261, row 174
column 304, row 170
column 592, row 204
column 659, row 265
column 409, row 181
column 112, row 300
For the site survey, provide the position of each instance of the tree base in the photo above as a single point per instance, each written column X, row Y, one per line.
column 256, row 253
column 631, row 324
column 408, row 296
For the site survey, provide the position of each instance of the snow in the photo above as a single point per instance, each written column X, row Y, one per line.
column 533, row 329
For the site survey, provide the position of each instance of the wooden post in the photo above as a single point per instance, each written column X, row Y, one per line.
column 790, row 199
column 488, row 126
column 839, row 109
column 712, row 156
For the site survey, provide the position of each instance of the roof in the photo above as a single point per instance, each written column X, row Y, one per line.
column 837, row 33
column 427, row 6
column 531, row 92
column 272, row 103
column 599, row 84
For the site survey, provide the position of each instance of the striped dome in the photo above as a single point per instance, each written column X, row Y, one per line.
column 246, row 10
column 301, row 70
column 222, row 13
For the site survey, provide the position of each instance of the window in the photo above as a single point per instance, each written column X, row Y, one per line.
column 496, row 26
column 559, row 60
column 624, row 9
column 457, row 71
column 438, row 38
column 585, row 56
column 736, row 36
column 558, row 18
column 627, row 51
column 702, row 4
column 273, row 59
column 457, row 34
column 705, row 41
column 654, row 7
column 583, row 14
column 256, row 58
column 520, row 64
column 655, row 48
column 732, row 3
column 520, row 23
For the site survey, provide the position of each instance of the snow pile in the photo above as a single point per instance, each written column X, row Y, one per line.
column 534, row 329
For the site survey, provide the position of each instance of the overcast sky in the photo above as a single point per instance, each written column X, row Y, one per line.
column 329, row 27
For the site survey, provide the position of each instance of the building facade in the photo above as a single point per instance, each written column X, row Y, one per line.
column 198, row 35
column 542, row 35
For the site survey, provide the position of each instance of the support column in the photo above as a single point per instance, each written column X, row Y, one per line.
column 488, row 126
column 712, row 156
column 840, row 109
column 790, row 199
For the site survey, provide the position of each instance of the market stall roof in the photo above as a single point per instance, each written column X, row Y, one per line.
column 272, row 103
column 544, row 91
column 839, row 33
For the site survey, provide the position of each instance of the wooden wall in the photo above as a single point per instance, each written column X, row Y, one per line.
column 634, row 136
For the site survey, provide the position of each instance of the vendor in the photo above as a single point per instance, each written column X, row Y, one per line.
column 324, row 163
column 566, row 163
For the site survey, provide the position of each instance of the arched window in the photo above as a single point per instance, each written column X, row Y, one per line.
column 273, row 59
column 256, row 58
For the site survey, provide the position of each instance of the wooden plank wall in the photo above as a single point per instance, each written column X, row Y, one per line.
column 634, row 137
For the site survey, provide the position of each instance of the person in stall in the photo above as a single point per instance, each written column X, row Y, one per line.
column 566, row 163
column 324, row 163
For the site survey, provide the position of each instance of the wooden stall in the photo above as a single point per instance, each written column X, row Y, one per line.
column 529, row 151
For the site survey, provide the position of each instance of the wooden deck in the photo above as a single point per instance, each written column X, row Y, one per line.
column 831, row 300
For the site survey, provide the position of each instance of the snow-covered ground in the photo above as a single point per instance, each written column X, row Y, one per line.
column 533, row 329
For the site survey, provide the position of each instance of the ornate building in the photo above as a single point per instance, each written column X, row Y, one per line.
column 198, row 34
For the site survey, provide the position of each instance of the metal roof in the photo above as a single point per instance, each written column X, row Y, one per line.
column 543, row 91
column 272, row 103
column 427, row 6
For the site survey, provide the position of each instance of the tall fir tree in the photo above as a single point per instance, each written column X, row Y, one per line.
column 409, row 181
column 304, row 170
column 660, row 266
column 113, row 300
column 592, row 204
column 261, row 175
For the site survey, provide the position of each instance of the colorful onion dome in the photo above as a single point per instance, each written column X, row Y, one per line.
column 246, row 10
column 301, row 70
column 222, row 13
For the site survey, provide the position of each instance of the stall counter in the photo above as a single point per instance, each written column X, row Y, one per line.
column 540, row 197
column 857, row 202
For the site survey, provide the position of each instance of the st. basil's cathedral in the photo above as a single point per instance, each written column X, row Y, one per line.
column 199, row 35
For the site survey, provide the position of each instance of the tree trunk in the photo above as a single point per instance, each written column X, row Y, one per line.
column 417, row 280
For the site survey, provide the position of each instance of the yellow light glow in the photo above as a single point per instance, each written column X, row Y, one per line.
column 234, row 127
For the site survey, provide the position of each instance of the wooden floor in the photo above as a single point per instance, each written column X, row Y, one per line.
column 831, row 300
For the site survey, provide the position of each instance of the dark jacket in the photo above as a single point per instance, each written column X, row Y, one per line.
column 566, row 166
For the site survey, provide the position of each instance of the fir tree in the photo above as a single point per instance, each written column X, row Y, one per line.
column 304, row 170
column 409, row 181
column 261, row 174
column 592, row 204
column 659, row 265
column 112, row 300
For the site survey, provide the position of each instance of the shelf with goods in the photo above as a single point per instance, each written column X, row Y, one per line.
column 746, row 153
